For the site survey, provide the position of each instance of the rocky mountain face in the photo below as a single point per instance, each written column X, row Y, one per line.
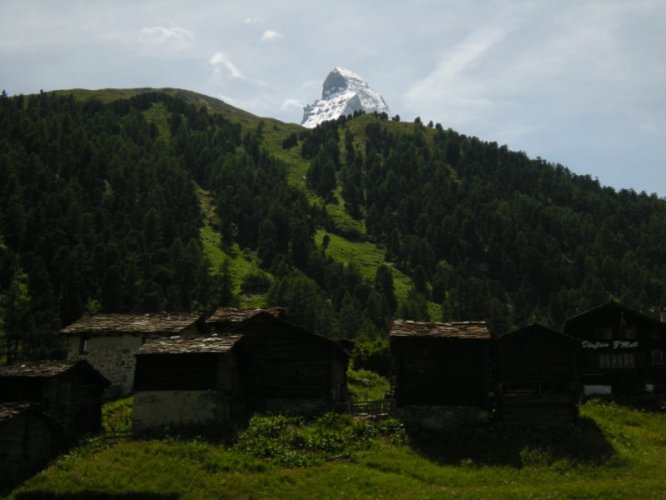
column 343, row 93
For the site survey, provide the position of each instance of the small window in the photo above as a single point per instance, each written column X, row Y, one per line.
column 616, row 360
column 604, row 332
column 628, row 360
column 604, row 360
column 657, row 357
column 84, row 346
column 630, row 332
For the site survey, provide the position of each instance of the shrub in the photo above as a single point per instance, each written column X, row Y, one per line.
column 365, row 385
column 373, row 355
column 255, row 283
column 117, row 415
column 293, row 442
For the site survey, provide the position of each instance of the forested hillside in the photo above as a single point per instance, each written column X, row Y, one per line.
column 487, row 232
column 101, row 210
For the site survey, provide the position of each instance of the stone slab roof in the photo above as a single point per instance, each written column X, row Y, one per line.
column 613, row 306
column 41, row 369
column 134, row 324
column 48, row 369
column 534, row 329
column 177, row 345
column 477, row 330
column 234, row 315
column 12, row 409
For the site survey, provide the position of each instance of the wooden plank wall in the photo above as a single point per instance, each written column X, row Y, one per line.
column 441, row 371
column 26, row 442
column 536, row 378
column 176, row 371
column 280, row 362
column 285, row 365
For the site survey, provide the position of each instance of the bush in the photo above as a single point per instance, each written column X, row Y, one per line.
column 290, row 141
column 117, row 415
column 293, row 442
column 373, row 355
column 365, row 385
column 256, row 283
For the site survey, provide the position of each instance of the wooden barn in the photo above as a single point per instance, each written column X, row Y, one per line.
column 227, row 317
column 535, row 377
column 27, row 441
column 440, row 365
column 285, row 368
column 623, row 350
column 69, row 391
column 110, row 341
column 260, row 364
column 187, row 383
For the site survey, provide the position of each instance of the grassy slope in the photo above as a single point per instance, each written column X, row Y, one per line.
column 240, row 263
column 368, row 256
column 616, row 453
column 213, row 104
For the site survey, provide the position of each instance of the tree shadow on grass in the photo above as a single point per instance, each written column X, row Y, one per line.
column 94, row 495
column 580, row 443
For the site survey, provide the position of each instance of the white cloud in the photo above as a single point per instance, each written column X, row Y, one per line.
column 456, row 83
column 563, row 80
column 270, row 35
column 219, row 59
column 558, row 83
column 291, row 104
column 177, row 38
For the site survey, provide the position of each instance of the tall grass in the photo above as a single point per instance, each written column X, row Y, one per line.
column 365, row 385
column 117, row 415
column 614, row 452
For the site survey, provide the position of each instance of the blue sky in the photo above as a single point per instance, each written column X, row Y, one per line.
column 581, row 83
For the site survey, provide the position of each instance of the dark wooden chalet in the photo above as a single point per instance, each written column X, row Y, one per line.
column 227, row 317
column 440, row 364
column 27, row 439
column 69, row 391
column 535, row 376
column 283, row 367
column 623, row 350
column 187, row 382
column 110, row 341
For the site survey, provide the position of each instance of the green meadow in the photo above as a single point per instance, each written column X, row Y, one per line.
column 613, row 452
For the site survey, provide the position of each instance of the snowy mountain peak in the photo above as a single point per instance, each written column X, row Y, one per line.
column 343, row 93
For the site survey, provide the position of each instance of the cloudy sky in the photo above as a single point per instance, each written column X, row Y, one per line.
column 581, row 82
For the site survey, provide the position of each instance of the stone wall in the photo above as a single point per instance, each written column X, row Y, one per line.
column 437, row 418
column 113, row 357
column 294, row 406
column 217, row 406
column 177, row 409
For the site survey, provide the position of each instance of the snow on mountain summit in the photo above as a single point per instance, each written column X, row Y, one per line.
column 343, row 93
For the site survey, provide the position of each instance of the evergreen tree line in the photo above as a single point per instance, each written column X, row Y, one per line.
column 488, row 233
column 259, row 210
column 99, row 212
